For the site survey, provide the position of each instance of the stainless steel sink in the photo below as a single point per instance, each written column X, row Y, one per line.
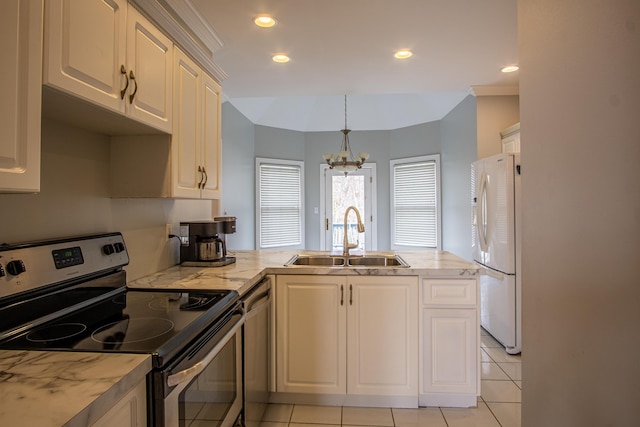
column 371, row 261
column 377, row 261
column 316, row 260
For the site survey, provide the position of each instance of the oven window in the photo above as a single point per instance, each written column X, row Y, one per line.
column 208, row 398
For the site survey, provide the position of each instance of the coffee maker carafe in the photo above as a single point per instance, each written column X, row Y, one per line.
column 202, row 243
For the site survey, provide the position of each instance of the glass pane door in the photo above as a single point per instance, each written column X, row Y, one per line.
column 341, row 192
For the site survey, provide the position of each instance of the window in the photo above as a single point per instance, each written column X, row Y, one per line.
column 415, row 203
column 279, row 203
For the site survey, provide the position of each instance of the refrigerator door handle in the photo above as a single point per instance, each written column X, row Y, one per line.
column 482, row 208
column 492, row 273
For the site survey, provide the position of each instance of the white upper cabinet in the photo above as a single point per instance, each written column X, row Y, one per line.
column 196, row 148
column 108, row 54
column 185, row 164
column 20, row 104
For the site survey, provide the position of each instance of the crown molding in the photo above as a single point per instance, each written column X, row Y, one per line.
column 494, row 90
column 180, row 20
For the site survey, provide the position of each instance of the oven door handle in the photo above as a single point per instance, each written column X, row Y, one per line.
column 192, row 371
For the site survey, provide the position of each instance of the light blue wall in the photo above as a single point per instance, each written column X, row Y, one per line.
column 279, row 143
column 238, row 183
column 376, row 143
column 453, row 137
column 459, row 150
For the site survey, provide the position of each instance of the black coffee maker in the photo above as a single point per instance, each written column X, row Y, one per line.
column 203, row 243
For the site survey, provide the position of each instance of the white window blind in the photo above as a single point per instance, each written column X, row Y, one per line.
column 280, row 221
column 415, row 202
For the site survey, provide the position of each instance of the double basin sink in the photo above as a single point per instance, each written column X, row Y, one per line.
column 370, row 261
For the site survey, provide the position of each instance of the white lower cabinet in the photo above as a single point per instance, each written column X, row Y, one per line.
column 130, row 411
column 449, row 365
column 350, row 336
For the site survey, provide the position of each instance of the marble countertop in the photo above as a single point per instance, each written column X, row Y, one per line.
column 251, row 266
column 75, row 388
column 64, row 388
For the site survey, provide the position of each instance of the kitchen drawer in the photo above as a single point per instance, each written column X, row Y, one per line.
column 440, row 292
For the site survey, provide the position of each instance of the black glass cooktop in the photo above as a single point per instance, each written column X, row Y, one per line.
column 131, row 321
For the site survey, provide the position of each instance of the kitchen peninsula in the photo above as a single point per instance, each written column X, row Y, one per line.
column 447, row 304
column 432, row 303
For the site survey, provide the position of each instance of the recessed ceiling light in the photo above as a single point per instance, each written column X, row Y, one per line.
column 403, row 54
column 281, row 58
column 510, row 69
column 264, row 21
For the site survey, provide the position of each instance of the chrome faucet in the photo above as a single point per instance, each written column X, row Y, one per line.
column 346, row 245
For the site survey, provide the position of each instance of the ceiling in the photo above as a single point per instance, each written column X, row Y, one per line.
column 345, row 47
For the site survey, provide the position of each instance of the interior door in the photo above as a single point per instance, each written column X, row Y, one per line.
column 355, row 189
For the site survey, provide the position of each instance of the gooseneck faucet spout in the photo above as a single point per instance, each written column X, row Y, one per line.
column 345, row 244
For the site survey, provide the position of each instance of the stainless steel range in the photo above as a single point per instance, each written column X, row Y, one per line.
column 70, row 295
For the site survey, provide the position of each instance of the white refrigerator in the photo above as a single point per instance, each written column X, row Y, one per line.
column 495, row 183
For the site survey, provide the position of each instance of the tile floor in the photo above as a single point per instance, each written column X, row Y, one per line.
column 499, row 405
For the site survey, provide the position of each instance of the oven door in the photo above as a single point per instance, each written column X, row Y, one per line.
column 204, row 386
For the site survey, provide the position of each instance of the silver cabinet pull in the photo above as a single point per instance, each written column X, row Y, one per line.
column 341, row 294
column 350, row 294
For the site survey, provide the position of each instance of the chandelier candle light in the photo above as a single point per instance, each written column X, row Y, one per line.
column 345, row 161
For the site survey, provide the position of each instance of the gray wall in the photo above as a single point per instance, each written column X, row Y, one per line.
column 457, row 147
column 318, row 143
column 238, row 182
column 458, row 129
column 580, row 129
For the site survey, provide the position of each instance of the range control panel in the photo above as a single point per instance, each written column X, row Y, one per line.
column 29, row 266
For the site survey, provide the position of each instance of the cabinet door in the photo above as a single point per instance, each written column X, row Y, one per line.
column 185, row 145
column 311, row 334
column 150, row 63
column 382, row 332
column 211, row 142
column 450, row 351
column 85, row 49
column 20, row 105
column 130, row 411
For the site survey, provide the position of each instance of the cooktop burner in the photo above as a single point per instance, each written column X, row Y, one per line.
column 129, row 331
column 139, row 321
column 52, row 333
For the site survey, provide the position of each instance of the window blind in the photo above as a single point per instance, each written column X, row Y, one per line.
column 280, row 205
column 415, row 207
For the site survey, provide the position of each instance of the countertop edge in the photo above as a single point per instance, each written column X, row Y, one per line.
column 97, row 408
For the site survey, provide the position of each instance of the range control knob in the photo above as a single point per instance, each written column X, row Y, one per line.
column 108, row 249
column 16, row 267
column 119, row 246
column 2, row 273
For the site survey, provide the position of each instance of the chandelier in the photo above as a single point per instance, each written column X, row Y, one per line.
column 345, row 161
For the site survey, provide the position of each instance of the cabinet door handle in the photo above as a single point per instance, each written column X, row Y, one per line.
column 132, row 77
column 341, row 294
column 126, row 86
column 201, row 177
column 206, row 177
column 350, row 294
